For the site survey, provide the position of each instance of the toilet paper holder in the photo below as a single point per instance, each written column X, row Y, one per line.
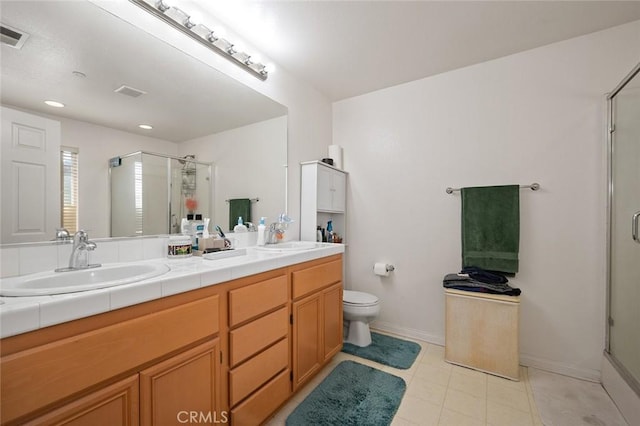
column 383, row 269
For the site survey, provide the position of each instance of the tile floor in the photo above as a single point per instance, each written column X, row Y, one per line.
column 564, row 401
column 439, row 393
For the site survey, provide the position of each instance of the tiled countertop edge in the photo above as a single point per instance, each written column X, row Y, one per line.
column 22, row 314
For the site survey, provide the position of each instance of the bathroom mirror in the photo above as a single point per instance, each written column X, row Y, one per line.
column 112, row 77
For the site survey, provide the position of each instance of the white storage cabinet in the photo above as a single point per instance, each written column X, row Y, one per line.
column 323, row 198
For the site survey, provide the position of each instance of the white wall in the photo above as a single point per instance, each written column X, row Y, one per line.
column 309, row 118
column 245, row 167
column 537, row 116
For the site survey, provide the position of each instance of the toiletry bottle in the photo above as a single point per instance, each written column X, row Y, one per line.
column 329, row 232
column 240, row 226
column 198, row 230
column 261, row 231
column 189, row 229
column 205, row 231
column 318, row 234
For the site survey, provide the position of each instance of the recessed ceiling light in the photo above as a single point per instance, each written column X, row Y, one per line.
column 145, row 126
column 79, row 74
column 54, row 104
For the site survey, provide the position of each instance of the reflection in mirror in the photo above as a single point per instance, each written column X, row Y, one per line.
column 112, row 77
column 150, row 193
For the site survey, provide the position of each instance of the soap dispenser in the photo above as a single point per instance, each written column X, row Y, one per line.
column 240, row 226
column 261, row 230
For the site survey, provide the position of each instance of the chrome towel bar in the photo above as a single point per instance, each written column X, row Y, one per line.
column 534, row 187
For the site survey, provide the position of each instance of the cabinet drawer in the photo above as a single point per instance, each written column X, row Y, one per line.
column 312, row 279
column 36, row 377
column 258, row 370
column 257, row 335
column 260, row 405
column 253, row 300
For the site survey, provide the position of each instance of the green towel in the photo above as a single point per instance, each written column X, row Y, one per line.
column 239, row 207
column 491, row 227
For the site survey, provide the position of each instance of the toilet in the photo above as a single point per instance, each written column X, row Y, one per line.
column 359, row 310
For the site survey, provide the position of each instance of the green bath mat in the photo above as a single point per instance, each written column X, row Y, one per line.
column 386, row 350
column 352, row 394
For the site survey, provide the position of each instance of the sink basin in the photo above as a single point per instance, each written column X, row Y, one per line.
column 290, row 246
column 47, row 283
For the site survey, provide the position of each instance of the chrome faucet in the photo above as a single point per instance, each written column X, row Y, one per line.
column 80, row 253
column 277, row 229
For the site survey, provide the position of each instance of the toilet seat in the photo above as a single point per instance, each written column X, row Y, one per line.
column 359, row 298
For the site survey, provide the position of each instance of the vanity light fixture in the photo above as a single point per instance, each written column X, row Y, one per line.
column 54, row 104
column 145, row 126
column 183, row 22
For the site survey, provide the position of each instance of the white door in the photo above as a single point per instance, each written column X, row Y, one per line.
column 30, row 177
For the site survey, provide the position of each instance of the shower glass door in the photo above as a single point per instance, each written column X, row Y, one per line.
column 624, row 238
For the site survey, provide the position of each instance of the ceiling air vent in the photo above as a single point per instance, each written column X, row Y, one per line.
column 130, row 91
column 12, row 36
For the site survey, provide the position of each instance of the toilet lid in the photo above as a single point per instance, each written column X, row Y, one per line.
column 358, row 298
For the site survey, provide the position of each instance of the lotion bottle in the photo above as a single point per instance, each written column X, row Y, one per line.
column 240, row 226
column 261, row 231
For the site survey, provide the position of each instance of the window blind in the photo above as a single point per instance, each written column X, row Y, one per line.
column 69, row 187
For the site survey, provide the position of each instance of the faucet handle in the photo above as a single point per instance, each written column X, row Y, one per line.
column 62, row 234
column 81, row 236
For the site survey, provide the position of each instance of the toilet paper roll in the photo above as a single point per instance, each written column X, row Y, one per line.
column 335, row 152
column 381, row 269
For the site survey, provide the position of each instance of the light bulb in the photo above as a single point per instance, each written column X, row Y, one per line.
column 54, row 104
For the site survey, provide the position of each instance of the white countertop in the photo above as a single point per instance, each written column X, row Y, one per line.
column 26, row 313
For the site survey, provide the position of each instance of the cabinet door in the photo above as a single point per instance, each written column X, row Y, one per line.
column 339, row 191
column 307, row 334
column 325, row 188
column 188, row 384
column 332, row 320
column 116, row 404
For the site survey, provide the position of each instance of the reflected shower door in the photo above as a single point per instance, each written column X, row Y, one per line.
column 624, row 299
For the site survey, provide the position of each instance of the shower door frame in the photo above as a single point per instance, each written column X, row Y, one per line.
column 633, row 383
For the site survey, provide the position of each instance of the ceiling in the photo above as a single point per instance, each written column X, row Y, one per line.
column 184, row 99
column 342, row 48
column 347, row 48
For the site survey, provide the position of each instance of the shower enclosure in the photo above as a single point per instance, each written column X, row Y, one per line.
column 623, row 329
column 151, row 193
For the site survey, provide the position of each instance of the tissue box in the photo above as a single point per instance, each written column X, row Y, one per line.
column 210, row 243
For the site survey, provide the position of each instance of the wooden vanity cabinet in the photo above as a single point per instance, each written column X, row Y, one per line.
column 232, row 352
column 317, row 317
column 186, row 383
column 116, row 404
column 57, row 372
column 259, row 348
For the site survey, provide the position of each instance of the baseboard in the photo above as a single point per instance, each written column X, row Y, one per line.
column 408, row 332
column 526, row 360
column 560, row 368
